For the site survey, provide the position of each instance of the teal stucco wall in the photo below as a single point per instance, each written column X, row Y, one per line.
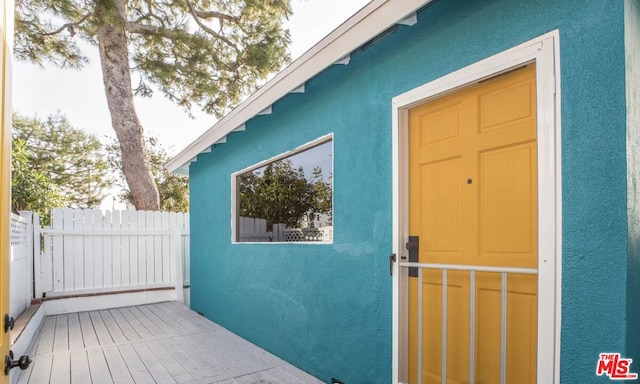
column 327, row 308
column 632, row 44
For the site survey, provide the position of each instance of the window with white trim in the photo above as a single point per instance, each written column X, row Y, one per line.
column 288, row 198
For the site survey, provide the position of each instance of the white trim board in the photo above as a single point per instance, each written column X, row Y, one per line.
column 544, row 51
column 22, row 342
column 115, row 300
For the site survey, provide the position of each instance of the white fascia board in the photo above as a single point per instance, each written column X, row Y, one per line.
column 371, row 20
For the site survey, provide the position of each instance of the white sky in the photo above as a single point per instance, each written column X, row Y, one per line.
column 80, row 96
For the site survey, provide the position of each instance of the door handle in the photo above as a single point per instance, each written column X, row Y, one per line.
column 413, row 246
column 392, row 259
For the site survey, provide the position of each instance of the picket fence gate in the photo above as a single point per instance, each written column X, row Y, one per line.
column 87, row 251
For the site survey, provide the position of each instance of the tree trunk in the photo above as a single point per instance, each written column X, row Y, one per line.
column 114, row 58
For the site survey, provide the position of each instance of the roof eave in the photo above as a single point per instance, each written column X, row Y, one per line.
column 371, row 20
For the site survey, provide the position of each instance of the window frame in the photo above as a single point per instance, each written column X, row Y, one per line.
column 328, row 138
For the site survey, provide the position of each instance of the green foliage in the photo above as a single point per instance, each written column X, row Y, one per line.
column 323, row 197
column 173, row 189
column 31, row 189
column 35, row 24
column 205, row 52
column 281, row 194
column 69, row 158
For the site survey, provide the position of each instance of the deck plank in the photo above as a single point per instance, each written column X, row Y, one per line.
column 299, row 374
column 180, row 320
column 247, row 379
column 61, row 334
column 45, row 340
column 189, row 364
column 153, row 365
column 75, row 332
column 135, row 323
column 88, row 333
column 163, row 326
column 208, row 366
column 196, row 318
column 104, row 337
column 80, row 367
column 282, row 375
column 117, row 367
column 140, row 318
column 244, row 348
column 224, row 362
column 129, row 332
column 154, row 343
column 98, row 367
column 169, row 361
column 227, row 381
column 61, row 368
column 41, row 370
column 267, row 377
column 136, row 366
column 240, row 360
column 112, row 326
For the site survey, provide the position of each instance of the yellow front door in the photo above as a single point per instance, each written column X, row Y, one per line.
column 473, row 202
column 5, row 178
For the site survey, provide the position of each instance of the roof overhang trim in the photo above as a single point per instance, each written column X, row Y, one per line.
column 366, row 24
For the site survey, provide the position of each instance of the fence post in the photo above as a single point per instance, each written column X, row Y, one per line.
column 33, row 244
column 176, row 260
column 278, row 232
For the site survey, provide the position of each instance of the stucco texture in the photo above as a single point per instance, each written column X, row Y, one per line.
column 327, row 308
column 632, row 43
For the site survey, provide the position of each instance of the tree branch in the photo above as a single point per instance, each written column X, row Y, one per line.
column 152, row 30
column 214, row 15
column 68, row 26
column 213, row 33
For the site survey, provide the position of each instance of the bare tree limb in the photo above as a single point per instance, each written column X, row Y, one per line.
column 69, row 26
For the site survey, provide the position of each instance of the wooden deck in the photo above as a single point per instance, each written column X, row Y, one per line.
column 156, row 343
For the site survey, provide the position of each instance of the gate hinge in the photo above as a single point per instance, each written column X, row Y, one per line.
column 392, row 259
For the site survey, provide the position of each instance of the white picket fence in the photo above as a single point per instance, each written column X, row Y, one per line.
column 88, row 251
column 21, row 269
column 255, row 230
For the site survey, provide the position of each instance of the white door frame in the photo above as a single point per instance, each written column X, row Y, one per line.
column 545, row 52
